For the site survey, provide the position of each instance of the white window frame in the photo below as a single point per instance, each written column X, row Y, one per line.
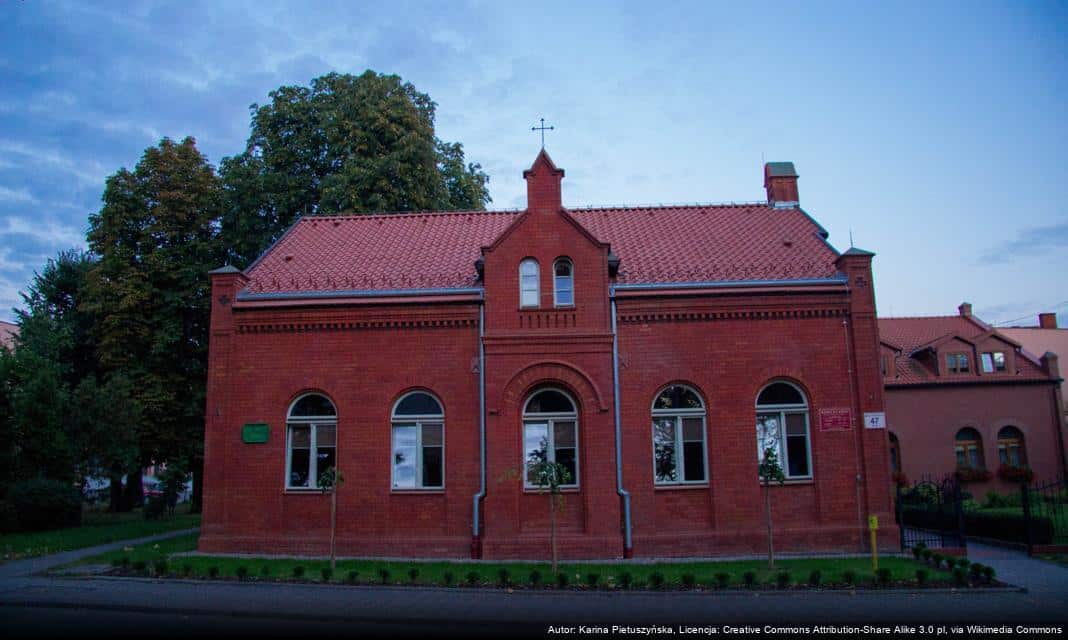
column 678, row 414
column 989, row 357
column 419, row 421
column 550, row 419
column 313, row 423
column 537, row 284
column 784, row 410
column 571, row 279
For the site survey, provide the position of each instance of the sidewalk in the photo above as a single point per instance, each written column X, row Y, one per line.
column 31, row 566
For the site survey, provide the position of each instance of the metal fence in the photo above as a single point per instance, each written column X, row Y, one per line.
column 930, row 512
column 1045, row 514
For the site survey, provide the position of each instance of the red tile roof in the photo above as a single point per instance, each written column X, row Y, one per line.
column 8, row 333
column 700, row 243
column 910, row 334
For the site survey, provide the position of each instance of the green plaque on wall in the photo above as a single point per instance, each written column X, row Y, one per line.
column 254, row 433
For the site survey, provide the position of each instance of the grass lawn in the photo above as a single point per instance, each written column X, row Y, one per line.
column 98, row 527
column 144, row 558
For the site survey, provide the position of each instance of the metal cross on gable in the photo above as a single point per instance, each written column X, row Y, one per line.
column 543, row 129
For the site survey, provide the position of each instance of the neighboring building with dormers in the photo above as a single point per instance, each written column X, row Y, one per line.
column 432, row 356
column 964, row 398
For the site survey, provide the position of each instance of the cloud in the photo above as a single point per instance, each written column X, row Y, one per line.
column 1028, row 242
column 88, row 173
column 48, row 233
column 22, row 195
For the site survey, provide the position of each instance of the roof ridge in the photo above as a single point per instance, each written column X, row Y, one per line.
column 918, row 317
column 409, row 214
column 671, row 205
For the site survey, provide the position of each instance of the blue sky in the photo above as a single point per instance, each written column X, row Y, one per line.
column 937, row 134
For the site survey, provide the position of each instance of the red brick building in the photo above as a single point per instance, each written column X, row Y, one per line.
column 429, row 356
column 964, row 398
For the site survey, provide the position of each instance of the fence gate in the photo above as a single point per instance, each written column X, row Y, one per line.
column 1045, row 512
column 931, row 512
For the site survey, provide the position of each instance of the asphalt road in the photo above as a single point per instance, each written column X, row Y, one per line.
column 40, row 606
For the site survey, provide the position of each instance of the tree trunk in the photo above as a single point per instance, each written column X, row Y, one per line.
column 552, row 527
column 115, row 491
column 333, row 526
column 196, row 501
column 767, row 508
column 134, row 493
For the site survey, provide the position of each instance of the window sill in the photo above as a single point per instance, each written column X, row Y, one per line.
column 680, row 486
column 435, row 491
column 299, row 491
column 792, row 482
column 541, row 492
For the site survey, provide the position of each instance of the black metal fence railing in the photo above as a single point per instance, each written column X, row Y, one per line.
column 930, row 512
column 1044, row 507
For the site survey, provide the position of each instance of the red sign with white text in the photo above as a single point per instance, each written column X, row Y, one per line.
column 836, row 419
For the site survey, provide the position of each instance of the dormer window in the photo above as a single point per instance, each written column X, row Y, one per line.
column 528, row 283
column 563, row 283
column 993, row 361
column 957, row 363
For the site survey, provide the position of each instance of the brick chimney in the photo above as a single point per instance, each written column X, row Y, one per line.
column 543, row 184
column 780, row 181
column 1047, row 320
column 965, row 309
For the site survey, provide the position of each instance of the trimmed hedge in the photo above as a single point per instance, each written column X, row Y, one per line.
column 999, row 525
column 43, row 503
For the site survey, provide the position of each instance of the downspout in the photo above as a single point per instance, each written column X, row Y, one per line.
column 476, row 539
column 628, row 548
column 854, row 392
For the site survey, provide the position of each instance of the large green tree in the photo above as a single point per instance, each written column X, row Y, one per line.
column 157, row 237
column 347, row 143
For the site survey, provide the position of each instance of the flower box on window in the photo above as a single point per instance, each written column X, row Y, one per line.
column 1015, row 473
column 972, row 474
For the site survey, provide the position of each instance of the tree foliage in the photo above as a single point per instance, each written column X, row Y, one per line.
column 157, row 237
column 347, row 143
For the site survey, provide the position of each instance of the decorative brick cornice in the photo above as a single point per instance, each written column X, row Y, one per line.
column 301, row 326
column 691, row 315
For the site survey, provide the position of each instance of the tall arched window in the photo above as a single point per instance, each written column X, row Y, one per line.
column 418, row 442
column 969, row 449
column 895, row 454
column 529, row 291
column 563, row 282
column 1011, row 451
column 678, row 437
column 550, row 433
column 311, row 440
column 782, row 425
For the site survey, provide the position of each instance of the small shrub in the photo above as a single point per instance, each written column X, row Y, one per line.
column 116, row 562
column 448, row 577
column 917, row 552
column 977, row 570
column 592, row 579
column 155, row 507
column 326, row 573
column 159, row 566
column 265, row 571
column 814, row 578
column 535, row 578
column 988, row 573
column 383, row 576
column 688, row 580
column 504, row 577
column 656, row 580
column 921, row 577
column 140, row 566
column 964, row 563
column 298, row 572
column 750, row 579
column 950, row 562
column 124, row 562
column 241, row 572
column 561, row 580
column 936, row 559
column 927, row 553
column 473, row 578
column 213, row 572
column 352, row 577
column 413, row 575
column 883, row 576
column 186, row 570
column 960, row 577
column 783, row 579
column 722, row 580
column 850, row 577
column 626, row 580
column 42, row 503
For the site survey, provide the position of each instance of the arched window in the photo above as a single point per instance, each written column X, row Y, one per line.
column 563, row 282
column 1011, row 452
column 678, row 437
column 528, row 283
column 418, row 442
column 550, row 434
column 895, row 454
column 782, row 426
column 969, row 449
column 311, row 426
